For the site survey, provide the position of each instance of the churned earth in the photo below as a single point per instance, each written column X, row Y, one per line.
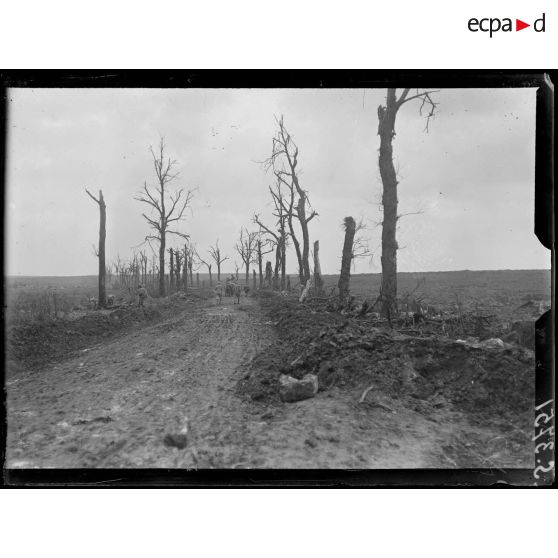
column 115, row 397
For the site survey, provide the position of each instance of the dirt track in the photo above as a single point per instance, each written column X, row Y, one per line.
column 113, row 405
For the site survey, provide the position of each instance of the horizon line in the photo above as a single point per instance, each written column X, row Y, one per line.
column 323, row 274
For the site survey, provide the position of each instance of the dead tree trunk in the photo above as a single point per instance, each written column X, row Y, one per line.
column 301, row 213
column 162, row 285
column 297, row 251
column 101, row 250
column 198, row 279
column 185, row 270
column 344, row 278
column 318, row 281
column 254, row 277
column 177, row 268
column 277, row 266
column 260, row 269
column 268, row 275
column 386, row 130
column 171, row 268
column 283, row 262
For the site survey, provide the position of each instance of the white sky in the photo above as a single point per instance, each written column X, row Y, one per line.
column 472, row 175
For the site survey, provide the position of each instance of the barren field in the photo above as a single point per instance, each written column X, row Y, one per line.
column 186, row 383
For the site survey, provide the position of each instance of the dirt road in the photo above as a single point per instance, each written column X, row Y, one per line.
column 113, row 404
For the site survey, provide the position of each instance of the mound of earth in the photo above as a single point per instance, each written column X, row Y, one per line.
column 424, row 372
column 36, row 344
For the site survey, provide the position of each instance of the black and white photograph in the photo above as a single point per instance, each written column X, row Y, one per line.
column 341, row 278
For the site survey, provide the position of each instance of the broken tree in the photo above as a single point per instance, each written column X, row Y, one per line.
column 386, row 131
column 101, row 250
column 278, row 238
column 263, row 247
column 284, row 164
column 318, row 281
column 347, row 258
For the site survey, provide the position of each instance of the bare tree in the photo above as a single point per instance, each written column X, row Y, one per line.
column 284, row 164
column 279, row 237
column 185, row 269
column 177, row 267
column 218, row 258
column 191, row 258
column 318, row 280
column 282, row 215
column 344, row 277
column 361, row 247
column 209, row 266
column 268, row 275
column 119, row 269
column 143, row 265
column 386, row 131
column 159, row 198
column 263, row 246
column 355, row 246
column 246, row 248
column 101, row 250
column 171, row 269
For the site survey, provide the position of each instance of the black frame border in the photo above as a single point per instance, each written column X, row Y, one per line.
column 544, row 228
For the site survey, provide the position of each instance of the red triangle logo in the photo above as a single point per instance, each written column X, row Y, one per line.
column 519, row 25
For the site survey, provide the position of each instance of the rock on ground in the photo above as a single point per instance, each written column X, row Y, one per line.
column 291, row 389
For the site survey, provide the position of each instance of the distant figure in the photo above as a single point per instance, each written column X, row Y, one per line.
column 237, row 291
column 142, row 295
column 229, row 290
column 219, row 292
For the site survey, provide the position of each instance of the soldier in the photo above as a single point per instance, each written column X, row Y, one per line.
column 142, row 295
column 237, row 291
column 229, row 290
column 219, row 292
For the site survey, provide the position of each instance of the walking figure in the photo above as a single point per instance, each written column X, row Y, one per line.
column 219, row 292
column 142, row 295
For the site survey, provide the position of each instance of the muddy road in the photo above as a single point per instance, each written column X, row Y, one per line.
column 113, row 404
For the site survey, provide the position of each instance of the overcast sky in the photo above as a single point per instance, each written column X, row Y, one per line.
column 471, row 176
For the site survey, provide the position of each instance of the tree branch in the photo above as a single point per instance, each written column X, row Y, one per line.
column 314, row 214
column 153, row 223
column 92, row 196
column 258, row 222
column 425, row 93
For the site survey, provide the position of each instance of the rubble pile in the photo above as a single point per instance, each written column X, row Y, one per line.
column 477, row 376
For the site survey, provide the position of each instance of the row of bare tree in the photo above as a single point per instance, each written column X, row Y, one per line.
column 291, row 216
